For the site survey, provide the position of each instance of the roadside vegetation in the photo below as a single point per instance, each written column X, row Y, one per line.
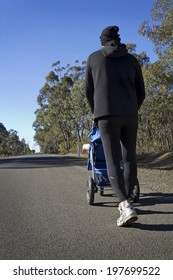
column 63, row 118
column 10, row 145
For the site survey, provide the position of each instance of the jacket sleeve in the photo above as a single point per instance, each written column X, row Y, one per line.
column 89, row 86
column 140, row 88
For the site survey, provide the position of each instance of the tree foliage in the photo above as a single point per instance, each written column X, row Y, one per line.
column 63, row 117
column 160, row 29
column 63, row 113
column 156, row 116
column 10, row 145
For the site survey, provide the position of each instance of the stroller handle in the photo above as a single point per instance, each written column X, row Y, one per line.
column 94, row 124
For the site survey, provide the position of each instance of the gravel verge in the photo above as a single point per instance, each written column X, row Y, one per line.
column 156, row 171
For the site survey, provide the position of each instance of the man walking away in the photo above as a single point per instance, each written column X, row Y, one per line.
column 115, row 92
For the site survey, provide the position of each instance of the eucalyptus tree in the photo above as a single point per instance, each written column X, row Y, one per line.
column 63, row 114
column 63, row 108
column 3, row 140
column 157, row 112
column 10, row 144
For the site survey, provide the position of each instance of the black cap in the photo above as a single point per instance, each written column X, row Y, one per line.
column 108, row 34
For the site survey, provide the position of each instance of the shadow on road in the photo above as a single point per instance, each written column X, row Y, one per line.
column 152, row 198
column 27, row 162
column 154, row 227
column 147, row 200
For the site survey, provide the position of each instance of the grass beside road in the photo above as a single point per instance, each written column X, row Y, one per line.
column 162, row 161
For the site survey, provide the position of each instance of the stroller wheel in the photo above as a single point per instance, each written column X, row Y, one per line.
column 91, row 189
column 136, row 192
column 101, row 191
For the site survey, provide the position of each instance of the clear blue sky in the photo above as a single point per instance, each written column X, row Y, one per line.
column 36, row 33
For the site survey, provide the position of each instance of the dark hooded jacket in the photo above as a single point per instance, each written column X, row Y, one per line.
column 114, row 82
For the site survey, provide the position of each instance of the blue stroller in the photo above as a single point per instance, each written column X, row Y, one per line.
column 97, row 164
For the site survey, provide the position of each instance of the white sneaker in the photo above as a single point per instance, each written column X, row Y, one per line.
column 127, row 215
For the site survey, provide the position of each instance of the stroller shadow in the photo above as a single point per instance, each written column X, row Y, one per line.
column 107, row 203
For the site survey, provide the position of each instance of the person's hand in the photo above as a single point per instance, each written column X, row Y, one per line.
column 85, row 148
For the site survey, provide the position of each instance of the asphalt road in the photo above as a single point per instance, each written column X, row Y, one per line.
column 44, row 215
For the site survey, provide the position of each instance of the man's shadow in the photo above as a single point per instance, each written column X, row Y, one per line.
column 151, row 199
column 147, row 200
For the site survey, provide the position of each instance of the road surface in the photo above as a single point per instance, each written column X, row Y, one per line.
column 44, row 215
